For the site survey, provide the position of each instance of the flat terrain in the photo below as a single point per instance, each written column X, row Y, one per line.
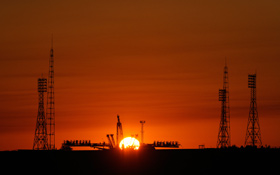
column 182, row 161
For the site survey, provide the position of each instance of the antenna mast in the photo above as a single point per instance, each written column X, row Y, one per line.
column 224, row 129
column 50, row 101
column 142, row 130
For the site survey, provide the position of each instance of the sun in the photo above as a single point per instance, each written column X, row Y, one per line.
column 129, row 143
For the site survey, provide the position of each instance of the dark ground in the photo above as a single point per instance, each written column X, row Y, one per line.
column 184, row 161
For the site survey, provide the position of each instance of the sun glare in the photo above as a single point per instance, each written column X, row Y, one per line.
column 129, row 143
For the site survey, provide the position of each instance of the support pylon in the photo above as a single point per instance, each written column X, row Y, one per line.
column 224, row 129
column 41, row 137
column 253, row 133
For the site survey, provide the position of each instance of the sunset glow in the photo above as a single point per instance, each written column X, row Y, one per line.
column 129, row 143
column 158, row 61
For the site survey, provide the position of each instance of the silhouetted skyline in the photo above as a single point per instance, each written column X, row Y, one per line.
column 158, row 61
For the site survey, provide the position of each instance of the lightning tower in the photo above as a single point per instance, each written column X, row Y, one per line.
column 142, row 130
column 224, row 129
column 50, row 102
column 41, row 137
column 253, row 134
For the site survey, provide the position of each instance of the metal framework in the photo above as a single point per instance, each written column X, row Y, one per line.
column 50, row 102
column 224, row 129
column 119, row 136
column 41, row 138
column 142, row 130
column 67, row 144
column 111, row 140
column 253, row 134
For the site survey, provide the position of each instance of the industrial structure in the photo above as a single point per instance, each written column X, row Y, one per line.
column 253, row 133
column 142, row 131
column 101, row 145
column 119, row 131
column 41, row 137
column 50, row 102
column 224, row 128
column 112, row 145
column 44, row 138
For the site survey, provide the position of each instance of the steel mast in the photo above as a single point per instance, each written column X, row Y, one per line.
column 41, row 137
column 50, row 102
column 142, row 130
column 253, row 133
column 224, row 129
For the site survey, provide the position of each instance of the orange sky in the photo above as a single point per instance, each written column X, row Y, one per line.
column 159, row 61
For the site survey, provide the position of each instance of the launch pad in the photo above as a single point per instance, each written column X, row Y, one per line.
column 68, row 144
